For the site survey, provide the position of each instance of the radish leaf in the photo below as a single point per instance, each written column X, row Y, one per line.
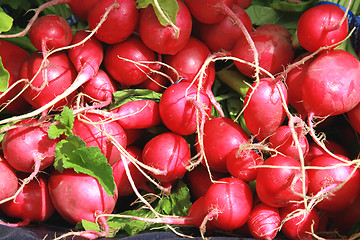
column 167, row 12
column 4, row 77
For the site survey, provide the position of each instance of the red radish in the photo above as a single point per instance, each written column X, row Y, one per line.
column 198, row 180
column 38, row 150
column 283, row 141
column 229, row 201
column 50, row 32
column 197, row 213
column 324, row 177
column 298, row 223
column 242, row 163
column 32, row 204
column 88, row 54
column 165, row 39
column 9, row 182
column 224, row 34
column 275, row 53
column 119, row 172
column 321, row 26
column 92, row 129
column 315, row 150
column 334, row 92
column 155, row 82
column 80, row 8
column 137, row 114
column 133, row 135
column 207, row 11
column 282, row 182
column 221, row 136
column 276, row 29
column 128, row 62
column 69, row 190
column 294, row 79
column 243, row 3
column 264, row 221
column 12, row 58
column 354, row 117
column 264, row 111
column 179, row 105
column 119, row 24
column 169, row 153
column 60, row 74
column 99, row 88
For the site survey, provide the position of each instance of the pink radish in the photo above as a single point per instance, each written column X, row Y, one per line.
column 264, row 111
column 264, row 221
column 282, row 182
column 93, row 129
column 354, row 117
column 32, row 204
column 322, row 26
column 80, row 8
column 119, row 172
column 165, row 39
column 138, row 114
column 169, row 153
column 221, row 136
column 155, row 82
column 128, row 61
column 179, row 105
column 327, row 93
column 12, row 58
column 50, row 32
column 315, row 150
column 69, row 189
column 9, row 182
column 323, row 182
column 60, row 74
column 207, row 11
column 120, row 22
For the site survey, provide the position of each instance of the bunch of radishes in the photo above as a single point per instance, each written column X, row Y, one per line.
column 132, row 106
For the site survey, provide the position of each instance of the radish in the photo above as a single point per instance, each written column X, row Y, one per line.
column 281, row 181
column 316, row 150
column 242, row 163
column 138, row 114
column 120, row 177
column 38, row 149
column 221, row 136
column 299, row 223
column 99, row 88
column 9, row 184
column 59, row 75
column 354, row 117
column 282, row 140
column 275, row 53
column 229, row 201
column 168, row 152
column 80, row 8
column 224, row 34
column 128, row 61
column 134, row 135
column 165, row 39
column 120, row 22
column 69, row 190
column 243, row 3
column 32, row 204
column 276, row 29
column 322, row 26
column 264, row 221
column 179, row 105
column 155, row 82
column 50, row 32
column 93, row 130
column 199, row 181
column 12, row 58
column 335, row 187
column 207, row 11
column 264, row 111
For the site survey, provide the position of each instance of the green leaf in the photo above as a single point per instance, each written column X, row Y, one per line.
column 72, row 153
column 127, row 95
column 17, row 4
column 169, row 8
column 64, row 126
column 6, row 21
column 292, row 7
column 261, row 15
column 4, row 77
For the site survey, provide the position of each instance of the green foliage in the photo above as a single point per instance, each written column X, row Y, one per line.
column 4, row 77
column 168, row 7
column 123, row 96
